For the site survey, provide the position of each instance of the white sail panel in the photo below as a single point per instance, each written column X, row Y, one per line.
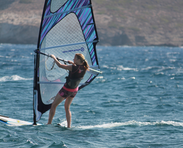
column 56, row 4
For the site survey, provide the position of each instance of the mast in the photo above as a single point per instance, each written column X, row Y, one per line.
column 36, row 71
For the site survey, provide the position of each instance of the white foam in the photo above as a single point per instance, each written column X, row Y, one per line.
column 135, row 123
column 120, row 68
column 148, row 68
column 172, row 123
column 100, row 77
column 13, row 78
column 105, row 66
column 63, row 124
column 123, row 78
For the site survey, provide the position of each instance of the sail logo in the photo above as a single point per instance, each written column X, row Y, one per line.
column 73, row 50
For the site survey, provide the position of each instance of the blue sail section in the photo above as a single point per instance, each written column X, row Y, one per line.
column 67, row 27
column 83, row 10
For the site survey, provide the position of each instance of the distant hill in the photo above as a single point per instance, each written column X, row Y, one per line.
column 119, row 22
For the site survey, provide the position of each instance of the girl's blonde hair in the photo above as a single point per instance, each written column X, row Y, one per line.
column 82, row 59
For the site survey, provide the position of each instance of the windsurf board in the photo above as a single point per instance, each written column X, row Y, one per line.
column 14, row 122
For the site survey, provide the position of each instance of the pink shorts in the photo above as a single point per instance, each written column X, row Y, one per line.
column 67, row 92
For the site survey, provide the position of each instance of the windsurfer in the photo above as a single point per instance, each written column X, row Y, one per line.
column 77, row 70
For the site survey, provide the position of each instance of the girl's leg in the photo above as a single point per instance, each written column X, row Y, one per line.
column 68, row 102
column 56, row 102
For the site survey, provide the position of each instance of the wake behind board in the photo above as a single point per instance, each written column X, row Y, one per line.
column 14, row 122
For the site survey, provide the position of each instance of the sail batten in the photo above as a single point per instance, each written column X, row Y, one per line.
column 67, row 27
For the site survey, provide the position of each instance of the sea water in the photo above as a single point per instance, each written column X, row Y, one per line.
column 137, row 102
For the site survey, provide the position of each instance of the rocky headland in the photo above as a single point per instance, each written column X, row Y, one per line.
column 119, row 22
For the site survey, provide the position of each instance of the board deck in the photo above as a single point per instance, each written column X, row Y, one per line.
column 14, row 122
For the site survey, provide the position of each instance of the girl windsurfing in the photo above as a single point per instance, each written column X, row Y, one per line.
column 77, row 70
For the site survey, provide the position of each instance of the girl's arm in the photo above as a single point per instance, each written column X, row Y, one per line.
column 67, row 67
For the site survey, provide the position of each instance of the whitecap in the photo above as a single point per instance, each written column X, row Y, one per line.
column 12, row 50
column 147, row 68
column 133, row 122
column 63, row 124
column 172, row 60
column 123, row 78
column 100, row 77
column 13, row 78
column 173, row 123
column 114, row 124
column 105, row 66
column 120, row 68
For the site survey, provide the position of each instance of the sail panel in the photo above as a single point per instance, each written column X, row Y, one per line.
column 67, row 28
column 56, row 4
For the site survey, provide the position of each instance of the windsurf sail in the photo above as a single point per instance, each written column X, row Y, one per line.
column 67, row 27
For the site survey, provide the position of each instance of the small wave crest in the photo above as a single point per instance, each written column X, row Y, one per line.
column 120, row 68
column 13, row 78
column 131, row 123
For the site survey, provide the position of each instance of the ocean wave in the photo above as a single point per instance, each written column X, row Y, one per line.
column 131, row 123
column 13, row 78
column 158, row 68
column 99, row 77
column 120, row 68
column 150, row 68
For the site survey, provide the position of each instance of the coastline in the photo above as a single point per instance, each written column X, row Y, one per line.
column 131, row 24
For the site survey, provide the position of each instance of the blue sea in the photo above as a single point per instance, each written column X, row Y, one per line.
column 137, row 102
